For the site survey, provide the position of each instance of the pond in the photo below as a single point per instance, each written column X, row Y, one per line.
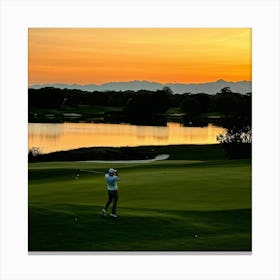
column 51, row 137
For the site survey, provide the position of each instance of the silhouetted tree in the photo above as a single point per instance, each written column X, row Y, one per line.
column 167, row 90
column 226, row 90
column 204, row 101
column 237, row 143
column 190, row 106
column 229, row 103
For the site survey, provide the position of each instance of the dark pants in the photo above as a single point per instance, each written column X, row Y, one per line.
column 112, row 196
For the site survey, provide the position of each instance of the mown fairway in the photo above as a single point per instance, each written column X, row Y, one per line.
column 163, row 206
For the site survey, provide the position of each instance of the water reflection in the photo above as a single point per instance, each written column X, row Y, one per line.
column 65, row 136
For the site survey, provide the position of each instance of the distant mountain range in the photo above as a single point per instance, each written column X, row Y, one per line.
column 210, row 88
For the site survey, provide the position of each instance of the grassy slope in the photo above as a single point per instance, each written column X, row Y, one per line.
column 190, row 152
column 162, row 206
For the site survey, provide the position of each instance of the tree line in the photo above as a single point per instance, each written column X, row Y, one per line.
column 144, row 101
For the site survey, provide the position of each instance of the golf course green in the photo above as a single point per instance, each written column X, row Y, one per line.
column 170, row 205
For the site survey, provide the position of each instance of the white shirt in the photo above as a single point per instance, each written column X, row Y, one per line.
column 112, row 182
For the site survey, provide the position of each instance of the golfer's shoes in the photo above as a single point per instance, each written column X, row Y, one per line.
column 103, row 212
column 113, row 215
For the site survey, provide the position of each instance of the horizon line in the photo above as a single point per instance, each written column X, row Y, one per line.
column 130, row 81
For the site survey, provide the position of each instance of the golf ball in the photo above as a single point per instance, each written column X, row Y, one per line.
column 195, row 235
column 76, row 219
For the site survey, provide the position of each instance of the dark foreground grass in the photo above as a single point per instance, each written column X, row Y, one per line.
column 164, row 206
column 150, row 231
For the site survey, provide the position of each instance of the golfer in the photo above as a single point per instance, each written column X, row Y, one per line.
column 111, row 178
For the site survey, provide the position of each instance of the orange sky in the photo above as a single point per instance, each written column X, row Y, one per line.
column 165, row 55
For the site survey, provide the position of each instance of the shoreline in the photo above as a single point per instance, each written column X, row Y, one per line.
column 175, row 152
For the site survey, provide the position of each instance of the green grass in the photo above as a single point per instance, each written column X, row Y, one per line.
column 174, row 110
column 162, row 206
column 212, row 114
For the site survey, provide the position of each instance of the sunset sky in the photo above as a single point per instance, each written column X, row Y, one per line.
column 165, row 55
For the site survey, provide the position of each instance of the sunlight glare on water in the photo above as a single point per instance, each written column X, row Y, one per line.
column 65, row 136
